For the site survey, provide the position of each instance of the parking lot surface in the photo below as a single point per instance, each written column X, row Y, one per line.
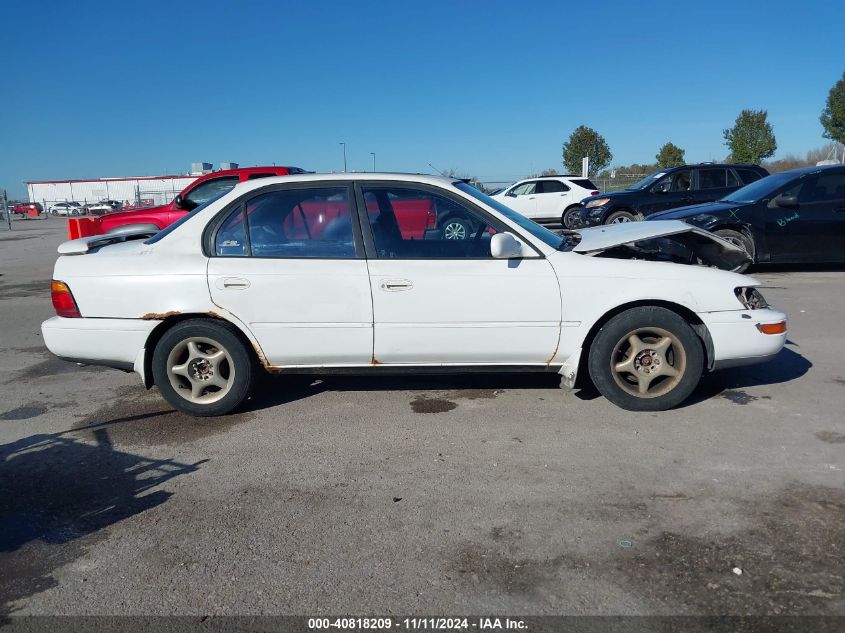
column 389, row 495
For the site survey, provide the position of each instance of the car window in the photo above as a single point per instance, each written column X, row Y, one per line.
column 230, row 240
column 551, row 186
column 209, row 189
column 748, row 175
column 254, row 176
column 410, row 223
column 583, row 182
column 733, row 181
column 525, row 189
column 301, row 223
column 827, row 187
column 676, row 181
column 712, row 178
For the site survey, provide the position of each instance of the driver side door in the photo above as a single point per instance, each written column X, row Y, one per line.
column 523, row 199
column 672, row 191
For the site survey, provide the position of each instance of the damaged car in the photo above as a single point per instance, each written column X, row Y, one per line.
column 313, row 273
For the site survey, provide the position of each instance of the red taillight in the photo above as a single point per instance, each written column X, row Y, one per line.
column 63, row 301
column 594, row 193
column 430, row 220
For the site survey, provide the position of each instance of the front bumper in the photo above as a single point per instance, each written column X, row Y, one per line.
column 737, row 340
column 588, row 217
column 117, row 343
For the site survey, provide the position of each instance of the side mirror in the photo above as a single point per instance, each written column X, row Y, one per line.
column 786, row 202
column 505, row 246
column 177, row 201
column 510, row 194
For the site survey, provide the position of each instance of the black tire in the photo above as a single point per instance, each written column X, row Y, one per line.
column 651, row 325
column 456, row 228
column 568, row 217
column 618, row 217
column 238, row 367
column 739, row 239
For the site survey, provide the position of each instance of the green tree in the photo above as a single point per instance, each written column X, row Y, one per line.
column 751, row 139
column 670, row 155
column 833, row 116
column 582, row 142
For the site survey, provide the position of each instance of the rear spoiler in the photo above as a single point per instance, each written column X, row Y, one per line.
column 82, row 245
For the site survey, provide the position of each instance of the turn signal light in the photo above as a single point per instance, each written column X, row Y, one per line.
column 772, row 328
column 63, row 301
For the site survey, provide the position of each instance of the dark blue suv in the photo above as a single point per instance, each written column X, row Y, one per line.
column 666, row 189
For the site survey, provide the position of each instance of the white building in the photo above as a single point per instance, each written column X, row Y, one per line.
column 147, row 190
column 143, row 190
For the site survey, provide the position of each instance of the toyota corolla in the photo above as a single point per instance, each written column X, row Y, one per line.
column 313, row 273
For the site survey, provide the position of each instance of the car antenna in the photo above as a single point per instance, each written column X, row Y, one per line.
column 437, row 170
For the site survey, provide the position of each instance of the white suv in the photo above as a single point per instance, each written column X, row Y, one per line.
column 548, row 199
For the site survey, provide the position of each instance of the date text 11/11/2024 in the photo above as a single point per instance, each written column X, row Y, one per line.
column 418, row 623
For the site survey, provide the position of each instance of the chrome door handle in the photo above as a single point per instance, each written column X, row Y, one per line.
column 394, row 285
column 235, row 282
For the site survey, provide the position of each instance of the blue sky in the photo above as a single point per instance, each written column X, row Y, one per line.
column 491, row 88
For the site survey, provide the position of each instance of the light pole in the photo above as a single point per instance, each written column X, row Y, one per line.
column 344, row 156
column 373, row 154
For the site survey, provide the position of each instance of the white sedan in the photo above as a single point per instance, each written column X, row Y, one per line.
column 352, row 272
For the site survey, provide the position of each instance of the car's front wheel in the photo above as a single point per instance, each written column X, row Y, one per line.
column 570, row 216
column 740, row 239
column 646, row 359
column 201, row 367
column 619, row 217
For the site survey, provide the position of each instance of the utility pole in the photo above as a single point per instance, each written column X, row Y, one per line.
column 344, row 156
column 373, row 154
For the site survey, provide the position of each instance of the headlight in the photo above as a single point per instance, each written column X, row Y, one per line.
column 597, row 202
column 703, row 219
column 751, row 298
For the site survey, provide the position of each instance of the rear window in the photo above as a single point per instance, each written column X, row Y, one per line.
column 583, row 182
column 748, row 175
column 552, row 186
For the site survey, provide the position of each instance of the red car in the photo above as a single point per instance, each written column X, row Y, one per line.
column 29, row 209
column 201, row 190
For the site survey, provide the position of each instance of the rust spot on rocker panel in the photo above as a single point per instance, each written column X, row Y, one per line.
column 159, row 316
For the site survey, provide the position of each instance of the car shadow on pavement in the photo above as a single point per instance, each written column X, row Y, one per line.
column 786, row 366
column 57, row 494
column 282, row 389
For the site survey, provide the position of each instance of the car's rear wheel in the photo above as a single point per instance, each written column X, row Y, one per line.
column 619, row 217
column 646, row 359
column 737, row 238
column 202, row 367
column 569, row 216
column 455, row 229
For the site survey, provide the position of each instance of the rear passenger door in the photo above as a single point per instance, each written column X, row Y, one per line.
column 713, row 184
column 551, row 198
column 288, row 261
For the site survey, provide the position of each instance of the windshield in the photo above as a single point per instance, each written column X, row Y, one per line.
column 545, row 235
column 169, row 229
column 760, row 189
column 645, row 182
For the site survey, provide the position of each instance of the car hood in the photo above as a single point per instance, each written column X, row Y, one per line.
column 667, row 240
column 707, row 208
column 613, row 195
